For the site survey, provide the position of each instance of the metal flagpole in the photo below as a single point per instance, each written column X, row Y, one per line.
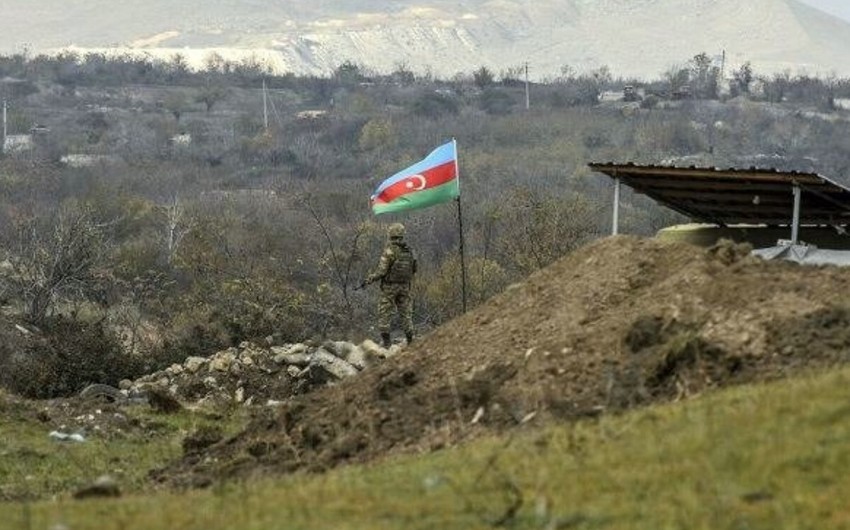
column 795, row 220
column 615, row 223
column 460, row 229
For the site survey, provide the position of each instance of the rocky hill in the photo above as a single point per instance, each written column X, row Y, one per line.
column 621, row 323
column 633, row 37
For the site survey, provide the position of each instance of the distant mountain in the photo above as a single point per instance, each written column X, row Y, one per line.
column 640, row 38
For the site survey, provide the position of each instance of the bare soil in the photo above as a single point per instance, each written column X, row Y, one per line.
column 621, row 323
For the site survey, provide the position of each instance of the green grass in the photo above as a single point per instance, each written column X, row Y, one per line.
column 760, row 457
column 34, row 466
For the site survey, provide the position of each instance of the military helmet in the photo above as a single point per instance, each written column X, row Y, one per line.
column 395, row 231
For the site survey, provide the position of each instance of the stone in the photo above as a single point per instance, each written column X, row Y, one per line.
column 125, row 384
column 239, row 395
column 293, row 359
column 211, row 382
column 104, row 486
column 290, row 349
column 339, row 368
column 294, row 371
column 222, row 361
column 339, row 348
column 372, row 351
column 193, row 364
column 174, row 369
column 357, row 358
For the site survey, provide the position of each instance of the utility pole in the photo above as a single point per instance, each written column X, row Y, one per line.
column 265, row 107
column 527, row 95
column 3, row 142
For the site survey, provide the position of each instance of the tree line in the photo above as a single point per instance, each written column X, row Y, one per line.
column 205, row 218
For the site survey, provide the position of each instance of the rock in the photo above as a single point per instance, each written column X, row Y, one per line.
column 125, row 384
column 294, row 371
column 65, row 437
column 317, row 375
column 174, row 369
column 293, row 359
column 104, row 486
column 239, row 396
column 222, row 361
column 98, row 391
column 290, row 349
column 193, row 364
column 339, row 348
column 337, row 367
column 372, row 351
column 357, row 358
column 247, row 360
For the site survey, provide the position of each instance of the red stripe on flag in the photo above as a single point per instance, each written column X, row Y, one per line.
column 431, row 178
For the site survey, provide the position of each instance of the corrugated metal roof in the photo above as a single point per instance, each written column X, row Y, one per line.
column 737, row 196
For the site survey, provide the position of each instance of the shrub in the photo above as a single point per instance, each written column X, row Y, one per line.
column 65, row 358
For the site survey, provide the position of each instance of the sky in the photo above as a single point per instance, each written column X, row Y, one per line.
column 839, row 8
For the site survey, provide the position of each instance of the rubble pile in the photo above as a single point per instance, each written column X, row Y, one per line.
column 256, row 375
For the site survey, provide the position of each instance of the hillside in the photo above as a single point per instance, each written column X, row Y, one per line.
column 620, row 323
column 634, row 38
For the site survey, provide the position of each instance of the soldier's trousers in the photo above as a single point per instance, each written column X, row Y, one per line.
column 395, row 296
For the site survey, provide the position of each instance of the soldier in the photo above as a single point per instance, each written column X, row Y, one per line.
column 395, row 270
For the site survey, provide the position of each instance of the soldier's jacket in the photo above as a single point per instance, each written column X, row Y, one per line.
column 397, row 265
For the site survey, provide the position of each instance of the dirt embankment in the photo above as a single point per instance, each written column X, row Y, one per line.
column 621, row 323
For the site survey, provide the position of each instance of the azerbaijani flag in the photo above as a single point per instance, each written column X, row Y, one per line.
column 426, row 183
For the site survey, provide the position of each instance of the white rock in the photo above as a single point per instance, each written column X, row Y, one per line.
column 125, row 384
column 294, row 371
column 333, row 364
column 239, row 396
column 293, row 359
column 193, row 364
column 357, row 358
column 290, row 349
column 222, row 361
column 210, row 382
column 372, row 350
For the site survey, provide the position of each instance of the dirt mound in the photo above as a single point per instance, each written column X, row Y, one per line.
column 620, row 323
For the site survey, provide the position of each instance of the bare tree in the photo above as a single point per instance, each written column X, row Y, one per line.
column 176, row 227
column 58, row 259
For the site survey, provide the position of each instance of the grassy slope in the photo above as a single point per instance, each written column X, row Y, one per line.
column 768, row 456
column 34, row 466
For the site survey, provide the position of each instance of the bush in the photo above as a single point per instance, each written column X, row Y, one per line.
column 65, row 358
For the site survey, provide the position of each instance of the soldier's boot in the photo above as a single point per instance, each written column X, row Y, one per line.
column 409, row 336
column 385, row 340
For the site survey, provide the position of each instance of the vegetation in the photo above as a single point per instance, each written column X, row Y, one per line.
column 770, row 456
column 157, row 205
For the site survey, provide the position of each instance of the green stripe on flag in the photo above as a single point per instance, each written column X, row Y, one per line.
column 420, row 199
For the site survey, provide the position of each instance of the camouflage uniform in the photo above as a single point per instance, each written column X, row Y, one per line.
column 395, row 271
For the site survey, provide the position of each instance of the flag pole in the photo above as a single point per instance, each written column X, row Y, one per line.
column 460, row 231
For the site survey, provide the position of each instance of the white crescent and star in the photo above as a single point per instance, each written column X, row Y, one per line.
column 416, row 183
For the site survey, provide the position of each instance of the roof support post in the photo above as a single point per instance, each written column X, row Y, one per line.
column 615, row 224
column 795, row 222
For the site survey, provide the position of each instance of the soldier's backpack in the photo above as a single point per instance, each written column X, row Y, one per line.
column 403, row 266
